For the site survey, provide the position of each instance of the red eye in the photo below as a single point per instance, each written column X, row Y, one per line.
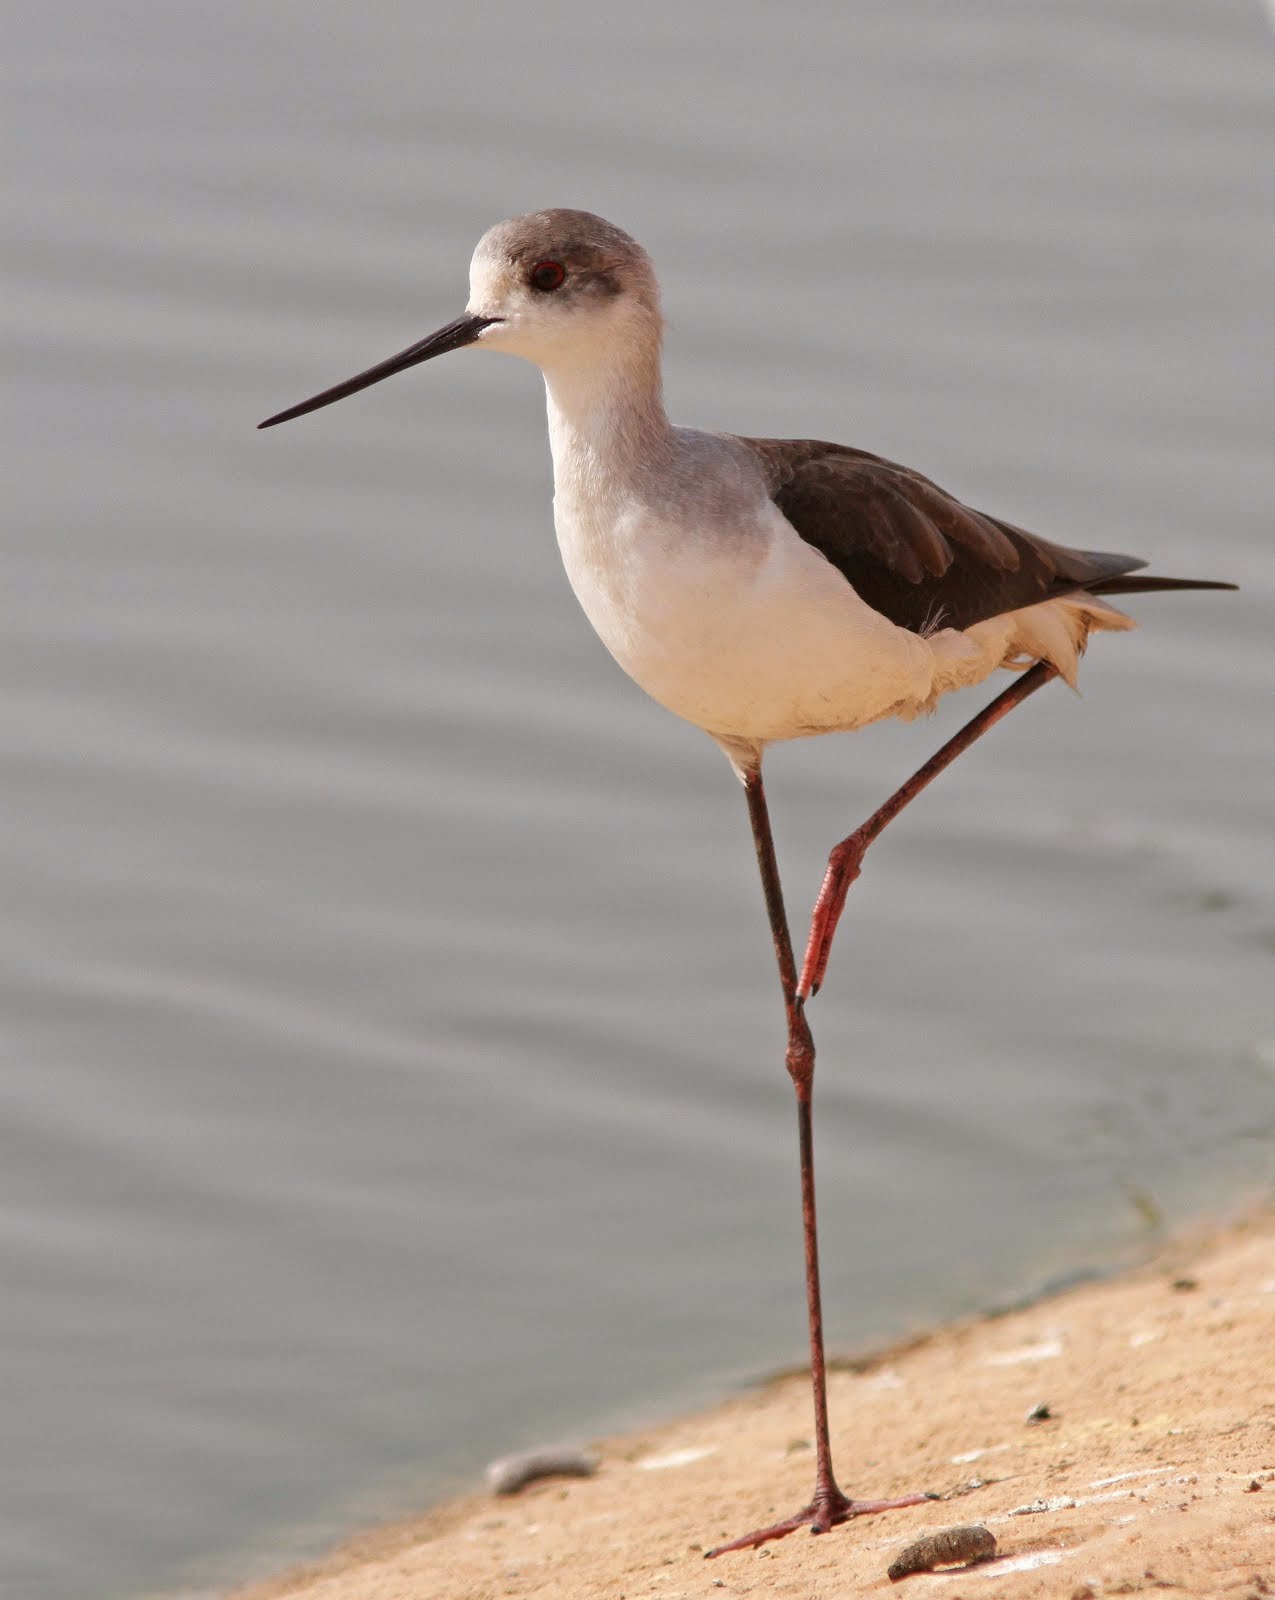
column 548, row 275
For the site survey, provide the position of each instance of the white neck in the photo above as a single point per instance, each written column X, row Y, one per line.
column 607, row 424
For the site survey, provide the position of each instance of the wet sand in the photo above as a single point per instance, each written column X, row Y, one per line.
column 1153, row 1472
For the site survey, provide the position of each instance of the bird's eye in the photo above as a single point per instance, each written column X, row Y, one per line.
column 547, row 276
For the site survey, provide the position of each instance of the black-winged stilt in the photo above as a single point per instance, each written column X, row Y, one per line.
column 763, row 589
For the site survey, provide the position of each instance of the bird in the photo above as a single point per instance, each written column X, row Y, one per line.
column 764, row 590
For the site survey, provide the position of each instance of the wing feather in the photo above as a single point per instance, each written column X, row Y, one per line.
column 911, row 550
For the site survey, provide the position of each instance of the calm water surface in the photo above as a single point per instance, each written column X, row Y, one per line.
column 391, row 1069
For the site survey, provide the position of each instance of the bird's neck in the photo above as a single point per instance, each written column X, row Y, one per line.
column 607, row 425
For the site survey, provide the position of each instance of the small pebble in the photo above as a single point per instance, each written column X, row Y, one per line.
column 946, row 1548
column 1058, row 1502
column 1038, row 1413
column 512, row 1473
column 968, row 1487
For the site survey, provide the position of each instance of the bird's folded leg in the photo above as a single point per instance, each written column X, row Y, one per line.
column 844, row 863
column 846, row 858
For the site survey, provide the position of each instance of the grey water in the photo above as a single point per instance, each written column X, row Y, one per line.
column 391, row 1068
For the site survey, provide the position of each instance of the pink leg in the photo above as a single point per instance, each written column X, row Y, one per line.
column 847, row 857
column 829, row 1505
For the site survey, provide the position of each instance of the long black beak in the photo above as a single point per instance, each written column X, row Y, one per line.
column 453, row 337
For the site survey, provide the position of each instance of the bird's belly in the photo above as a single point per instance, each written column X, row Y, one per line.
column 753, row 639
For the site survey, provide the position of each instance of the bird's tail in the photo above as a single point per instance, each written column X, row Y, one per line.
column 1054, row 630
column 1142, row 582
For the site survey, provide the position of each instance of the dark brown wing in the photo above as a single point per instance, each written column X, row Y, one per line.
column 912, row 551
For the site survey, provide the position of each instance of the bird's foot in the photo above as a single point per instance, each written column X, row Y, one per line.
column 825, row 1511
column 844, row 865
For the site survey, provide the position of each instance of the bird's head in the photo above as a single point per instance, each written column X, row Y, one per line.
column 558, row 288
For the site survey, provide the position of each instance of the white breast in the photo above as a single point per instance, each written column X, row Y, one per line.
column 747, row 632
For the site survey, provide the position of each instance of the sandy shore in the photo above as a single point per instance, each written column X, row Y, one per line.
column 1155, row 1468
